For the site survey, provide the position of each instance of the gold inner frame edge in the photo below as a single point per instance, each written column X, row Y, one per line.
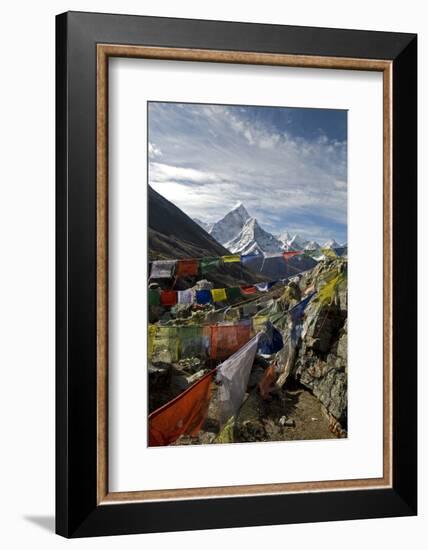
column 104, row 51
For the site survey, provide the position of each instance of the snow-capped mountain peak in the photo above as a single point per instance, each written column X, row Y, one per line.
column 331, row 243
column 312, row 245
column 230, row 225
column 297, row 243
column 253, row 239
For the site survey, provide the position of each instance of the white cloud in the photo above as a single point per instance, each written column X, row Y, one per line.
column 214, row 156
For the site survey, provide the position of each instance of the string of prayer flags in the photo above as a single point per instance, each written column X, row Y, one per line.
column 233, row 293
column 162, row 269
column 203, row 297
column 185, row 296
column 184, row 415
column 226, row 339
column 233, row 375
column 219, row 294
column 187, row 268
column 291, row 253
column 168, row 297
column 154, row 297
column 247, row 290
column 208, row 264
column 231, row 258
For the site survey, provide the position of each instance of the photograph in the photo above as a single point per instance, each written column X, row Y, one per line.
column 247, row 273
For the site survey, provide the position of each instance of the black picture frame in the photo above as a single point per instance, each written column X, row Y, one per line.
column 77, row 512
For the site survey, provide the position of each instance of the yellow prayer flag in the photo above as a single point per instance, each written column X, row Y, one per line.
column 226, row 434
column 151, row 337
column 230, row 259
column 219, row 294
column 329, row 253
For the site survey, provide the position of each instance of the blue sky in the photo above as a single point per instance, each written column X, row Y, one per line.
column 287, row 166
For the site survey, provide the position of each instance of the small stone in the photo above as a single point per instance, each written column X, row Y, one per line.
column 282, row 421
column 290, row 423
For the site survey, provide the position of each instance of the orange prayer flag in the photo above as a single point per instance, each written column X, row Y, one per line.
column 187, row 268
column 183, row 415
column 267, row 381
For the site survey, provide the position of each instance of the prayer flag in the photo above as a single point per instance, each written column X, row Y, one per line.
column 168, row 297
column 248, row 289
column 296, row 315
column 233, row 374
column 185, row 296
column 162, row 269
column 183, row 415
column 203, row 296
column 163, row 344
column 264, row 287
column 231, row 259
column 233, row 293
column 226, row 434
column 187, row 268
column 219, row 294
column 191, row 341
column 270, row 341
column 227, row 339
column 329, row 253
column 259, row 322
column 154, row 297
column 151, row 339
column 208, row 264
column 327, row 292
column 288, row 255
column 250, row 260
column 249, row 310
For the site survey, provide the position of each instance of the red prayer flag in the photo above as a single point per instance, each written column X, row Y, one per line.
column 187, row 268
column 248, row 289
column 168, row 297
column 291, row 254
column 227, row 339
column 183, row 415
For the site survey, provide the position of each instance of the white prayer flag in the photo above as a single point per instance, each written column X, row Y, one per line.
column 185, row 296
column 162, row 269
column 234, row 374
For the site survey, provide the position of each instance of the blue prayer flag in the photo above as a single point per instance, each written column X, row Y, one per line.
column 203, row 296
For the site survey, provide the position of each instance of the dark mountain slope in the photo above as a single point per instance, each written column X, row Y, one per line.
column 168, row 220
column 172, row 234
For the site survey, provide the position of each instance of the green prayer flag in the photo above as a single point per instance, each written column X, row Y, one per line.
column 154, row 297
column 233, row 293
column 208, row 264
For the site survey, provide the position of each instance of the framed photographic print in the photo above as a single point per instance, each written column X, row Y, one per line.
column 236, row 243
